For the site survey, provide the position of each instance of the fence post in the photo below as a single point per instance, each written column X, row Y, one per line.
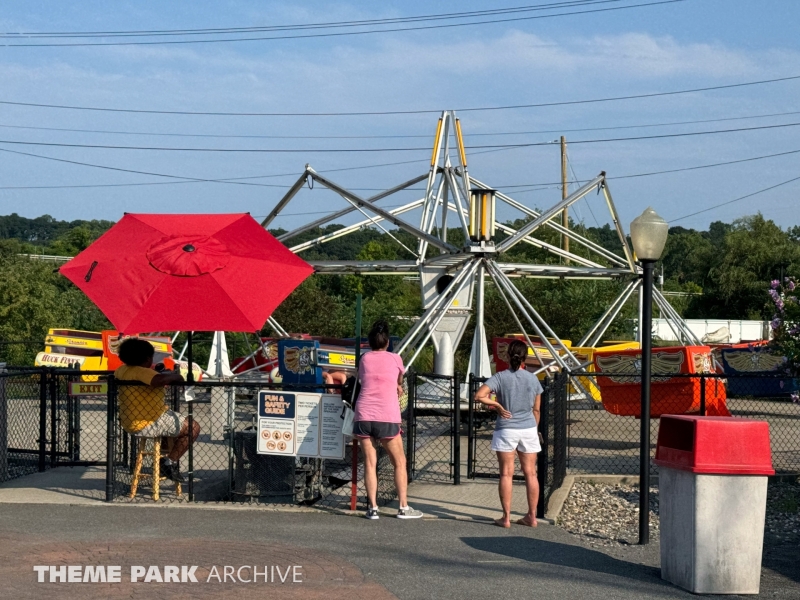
column 456, row 428
column 110, row 436
column 411, row 436
column 470, row 426
column 702, row 395
column 190, row 422
column 543, row 462
column 70, row 421
column 54, row 419
column 42, row 419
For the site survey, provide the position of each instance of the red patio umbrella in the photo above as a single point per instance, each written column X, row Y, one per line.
column 187, row 273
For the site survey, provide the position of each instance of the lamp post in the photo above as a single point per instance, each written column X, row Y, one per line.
column 648, row 234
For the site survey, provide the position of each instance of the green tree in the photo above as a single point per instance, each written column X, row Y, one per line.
column 753, row 253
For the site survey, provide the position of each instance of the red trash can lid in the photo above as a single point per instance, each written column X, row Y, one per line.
column 714, row 445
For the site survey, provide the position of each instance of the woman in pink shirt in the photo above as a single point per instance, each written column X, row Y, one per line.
column 377, row 418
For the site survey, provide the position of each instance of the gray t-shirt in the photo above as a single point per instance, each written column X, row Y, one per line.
column 516, row 391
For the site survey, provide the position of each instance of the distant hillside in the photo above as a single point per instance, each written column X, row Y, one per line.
column 44, row 230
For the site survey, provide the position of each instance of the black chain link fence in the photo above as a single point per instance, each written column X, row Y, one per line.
column 20, row 424
column 45, row 423
column 603, row 428
column 59, row 417
column 436, row 407
column 223, row 463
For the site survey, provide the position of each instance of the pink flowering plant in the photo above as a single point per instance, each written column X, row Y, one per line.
column 786, row 325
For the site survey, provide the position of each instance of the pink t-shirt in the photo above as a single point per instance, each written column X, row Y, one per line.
column 377, row 401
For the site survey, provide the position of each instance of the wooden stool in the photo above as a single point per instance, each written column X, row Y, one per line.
column 156, row 454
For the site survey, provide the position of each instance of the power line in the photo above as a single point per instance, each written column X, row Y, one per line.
column 401, row 112
column 235, row 181
column 194, row 179
column 388, row 136
column 412, row 149
column 720, row 164
column 664, row 172
column 526, row 187
column 710, row 208
column 345, row 33
column 646, row 137
column 322, row 25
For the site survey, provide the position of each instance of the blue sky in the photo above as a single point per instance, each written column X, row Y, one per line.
column 695, row 43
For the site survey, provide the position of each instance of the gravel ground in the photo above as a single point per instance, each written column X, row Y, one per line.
column 783, row 514
column 608, row 515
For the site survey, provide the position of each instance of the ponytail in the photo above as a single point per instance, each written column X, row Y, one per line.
column 517, row 353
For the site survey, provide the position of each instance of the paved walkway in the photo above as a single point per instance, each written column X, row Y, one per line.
column 472, row 500
column 62, row 485
column 57, row 518
column 340, row 557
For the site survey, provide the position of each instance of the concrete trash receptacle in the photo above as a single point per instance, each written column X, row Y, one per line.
column 712, row 502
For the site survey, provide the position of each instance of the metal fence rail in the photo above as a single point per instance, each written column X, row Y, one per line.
column 600, row 441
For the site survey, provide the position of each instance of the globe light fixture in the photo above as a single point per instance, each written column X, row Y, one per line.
column 649, row 234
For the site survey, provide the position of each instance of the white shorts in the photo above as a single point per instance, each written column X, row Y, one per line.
column 168, row 425
column 522, row 440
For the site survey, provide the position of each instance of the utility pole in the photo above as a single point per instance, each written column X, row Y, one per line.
column 565, row 212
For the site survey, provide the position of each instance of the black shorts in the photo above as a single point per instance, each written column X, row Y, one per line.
column 377, row 430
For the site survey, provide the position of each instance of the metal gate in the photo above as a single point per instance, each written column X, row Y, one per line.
column 552, row 460
column 433, row 424
column 40, row 422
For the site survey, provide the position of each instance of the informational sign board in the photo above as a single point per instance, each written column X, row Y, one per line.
column 78, row 388
column 300, row 424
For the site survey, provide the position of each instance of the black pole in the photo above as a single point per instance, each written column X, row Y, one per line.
column 644, row 449
column 53, row 394
column 543, row 460
column 189, row 358
column 702, row 396
column 358, row 331
column 470, row 426
column 42, row 420
column 456, row 429
column 111, row 422
column 411, row 438
column 190, row 416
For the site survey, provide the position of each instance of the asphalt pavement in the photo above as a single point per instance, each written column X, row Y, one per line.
column 338, row 556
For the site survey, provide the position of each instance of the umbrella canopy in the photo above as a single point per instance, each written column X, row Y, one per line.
column 187, row 273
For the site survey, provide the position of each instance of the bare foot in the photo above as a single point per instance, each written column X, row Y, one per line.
column 505, row 523
column 527, row 522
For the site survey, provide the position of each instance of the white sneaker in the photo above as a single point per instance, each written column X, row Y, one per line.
column 409, row 513
column 372, row 513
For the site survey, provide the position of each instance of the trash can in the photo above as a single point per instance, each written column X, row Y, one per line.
column 266, row 478
column 712, row 502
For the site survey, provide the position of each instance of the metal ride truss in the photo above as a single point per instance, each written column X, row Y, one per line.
column 456, row 276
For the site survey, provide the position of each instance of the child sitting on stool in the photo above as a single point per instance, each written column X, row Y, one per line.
column 142, row 410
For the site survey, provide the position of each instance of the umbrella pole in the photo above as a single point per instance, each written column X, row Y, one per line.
column 190, row 380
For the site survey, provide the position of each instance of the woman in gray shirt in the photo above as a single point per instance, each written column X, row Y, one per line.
column 519, row 395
